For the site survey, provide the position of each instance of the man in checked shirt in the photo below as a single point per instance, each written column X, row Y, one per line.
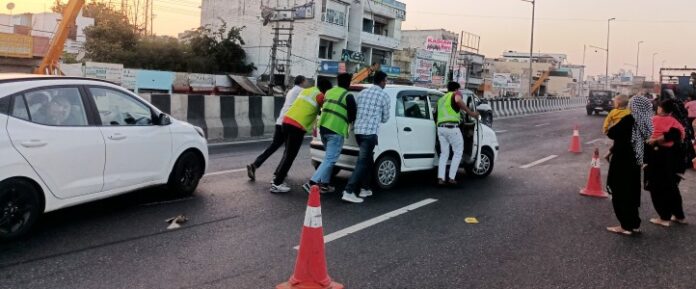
column 373, row 110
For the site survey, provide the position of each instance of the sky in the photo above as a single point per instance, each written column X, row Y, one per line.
column 562, row 26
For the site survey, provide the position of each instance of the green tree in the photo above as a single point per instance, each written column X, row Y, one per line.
column 217, row 51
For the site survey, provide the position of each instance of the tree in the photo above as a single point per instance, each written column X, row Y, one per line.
column 217, row 51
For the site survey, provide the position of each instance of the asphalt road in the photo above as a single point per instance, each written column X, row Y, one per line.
column 535, row 230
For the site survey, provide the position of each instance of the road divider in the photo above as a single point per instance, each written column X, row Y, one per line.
column 510, row 108
column 538, row 162
column 374, row 221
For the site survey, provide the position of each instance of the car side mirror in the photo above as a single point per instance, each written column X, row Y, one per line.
column 163, row 119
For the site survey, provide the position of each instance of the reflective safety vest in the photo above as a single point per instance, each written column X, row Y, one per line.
column 334, row 114
column 445, row 112
column 305, row 108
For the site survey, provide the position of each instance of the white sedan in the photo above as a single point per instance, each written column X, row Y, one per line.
column 66, row 141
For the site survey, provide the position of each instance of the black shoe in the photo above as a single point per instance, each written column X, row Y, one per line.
column 251, row 172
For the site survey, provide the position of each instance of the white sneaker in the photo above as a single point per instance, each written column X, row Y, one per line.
column 351, row 198
column 365, row 193
column 278, row 189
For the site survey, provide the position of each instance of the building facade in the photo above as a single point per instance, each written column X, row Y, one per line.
column 44, row 25
column 425, row 56
column 342, row 36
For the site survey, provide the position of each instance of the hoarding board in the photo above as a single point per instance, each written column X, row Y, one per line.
column 105, row 71
column 438, row 45
column 16, row 45
column 423, row 70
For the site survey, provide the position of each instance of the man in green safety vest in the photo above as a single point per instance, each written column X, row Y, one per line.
column 448, row 132
column 297, row 121
column 337, row 114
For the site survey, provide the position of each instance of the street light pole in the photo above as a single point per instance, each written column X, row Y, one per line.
column 531, row 49
column 638, row 58
column 608, row 39
column 653, row 65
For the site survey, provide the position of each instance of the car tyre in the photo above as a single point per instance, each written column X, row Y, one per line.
column 386, row 172
column 20, row 207
column 186, row 174
column 485, row 167
column 589, row 112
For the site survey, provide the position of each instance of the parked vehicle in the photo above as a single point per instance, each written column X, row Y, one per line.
column 408, row 141
column 600, row 100
column 67, row 141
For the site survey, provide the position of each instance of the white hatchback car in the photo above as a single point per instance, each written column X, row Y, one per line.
column 408, row 141
column 66, row 141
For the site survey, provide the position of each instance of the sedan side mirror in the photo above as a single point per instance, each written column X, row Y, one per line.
column 163, row 119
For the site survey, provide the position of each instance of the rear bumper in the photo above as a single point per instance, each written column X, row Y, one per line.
column 347, row 160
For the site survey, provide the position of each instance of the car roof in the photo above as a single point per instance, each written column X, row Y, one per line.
column 16, row 77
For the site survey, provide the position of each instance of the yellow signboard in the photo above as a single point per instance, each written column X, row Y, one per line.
column 16, row 45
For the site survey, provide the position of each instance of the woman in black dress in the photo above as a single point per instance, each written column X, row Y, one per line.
column 624, row 182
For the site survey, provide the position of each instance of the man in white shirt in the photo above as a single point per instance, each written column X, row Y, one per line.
column 278, row 136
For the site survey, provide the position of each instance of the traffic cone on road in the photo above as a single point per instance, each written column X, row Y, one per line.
column 594, row 183
column 575, row 141
column 310, row 267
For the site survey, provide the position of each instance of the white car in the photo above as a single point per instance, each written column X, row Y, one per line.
column 66, row 141
column 408, row 141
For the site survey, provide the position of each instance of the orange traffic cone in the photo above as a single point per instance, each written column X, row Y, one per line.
column 575, row 141
column 594, row 183
column 310, row 267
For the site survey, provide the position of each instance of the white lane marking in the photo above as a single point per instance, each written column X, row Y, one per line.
column 500, row 131
column 374, row 221
column 546, row 159
column 594, row 141
column 542, row 124
column 225, row 172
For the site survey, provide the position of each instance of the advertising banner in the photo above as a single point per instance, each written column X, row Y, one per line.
column 329, row 67
column 391, row 70
column 438, row 45
column 106, row 71
column 16, row 45
column 423, row 70
column 352, row 56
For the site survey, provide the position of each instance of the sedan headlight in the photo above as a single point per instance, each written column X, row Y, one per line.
column 200, row 131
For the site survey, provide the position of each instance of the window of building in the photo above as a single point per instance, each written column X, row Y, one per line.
column 368, row 25
column 380, row 29
column 326, row 49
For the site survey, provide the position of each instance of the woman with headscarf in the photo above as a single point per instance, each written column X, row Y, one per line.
column 623, row 182
column 664, row 165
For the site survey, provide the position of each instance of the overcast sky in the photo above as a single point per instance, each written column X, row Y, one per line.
column 562, row 26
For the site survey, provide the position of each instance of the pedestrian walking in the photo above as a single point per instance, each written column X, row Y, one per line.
column 298, row 120
column 337, row 114
column 627, row 153
column 664, row 166
column 278, row 136
column 448, row 132
column 681, row 114
column 373, row 109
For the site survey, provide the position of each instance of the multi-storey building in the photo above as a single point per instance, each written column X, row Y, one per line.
column 343, row 35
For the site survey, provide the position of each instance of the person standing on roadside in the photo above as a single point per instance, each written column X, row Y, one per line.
column 337, row 114
column 627, row 154
column 297, row 121
column 664, row 166
column 278, row 136
column 373, row 109
column 448, row 133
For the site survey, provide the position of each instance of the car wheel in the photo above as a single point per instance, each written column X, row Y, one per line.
column 485, row 167
column 386, row 172
column 186, row 174
column 20, row 207
column 589, row 112
column 596, row 112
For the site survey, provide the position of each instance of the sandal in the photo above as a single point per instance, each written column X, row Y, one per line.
column 679, row 221
column 619, row 230
column 660, row 222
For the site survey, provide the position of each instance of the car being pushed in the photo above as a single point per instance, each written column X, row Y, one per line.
column 408, row 141
column 67, row 141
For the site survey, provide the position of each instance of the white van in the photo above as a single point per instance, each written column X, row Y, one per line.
column 408, row 141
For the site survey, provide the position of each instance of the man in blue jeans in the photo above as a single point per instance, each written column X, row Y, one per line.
column 337, row 113
column 373, row 109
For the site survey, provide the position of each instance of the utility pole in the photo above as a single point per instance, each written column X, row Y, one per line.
column 638, row 58
column 288, row 63
column 653, row 65
column 608, row 39
column 531, row 48
column 582, row 74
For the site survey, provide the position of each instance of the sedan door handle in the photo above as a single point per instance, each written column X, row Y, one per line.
column 117, row 136
column 407, row 129
column 35, row 143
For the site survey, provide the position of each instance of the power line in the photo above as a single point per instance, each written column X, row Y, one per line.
column 662, row 21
